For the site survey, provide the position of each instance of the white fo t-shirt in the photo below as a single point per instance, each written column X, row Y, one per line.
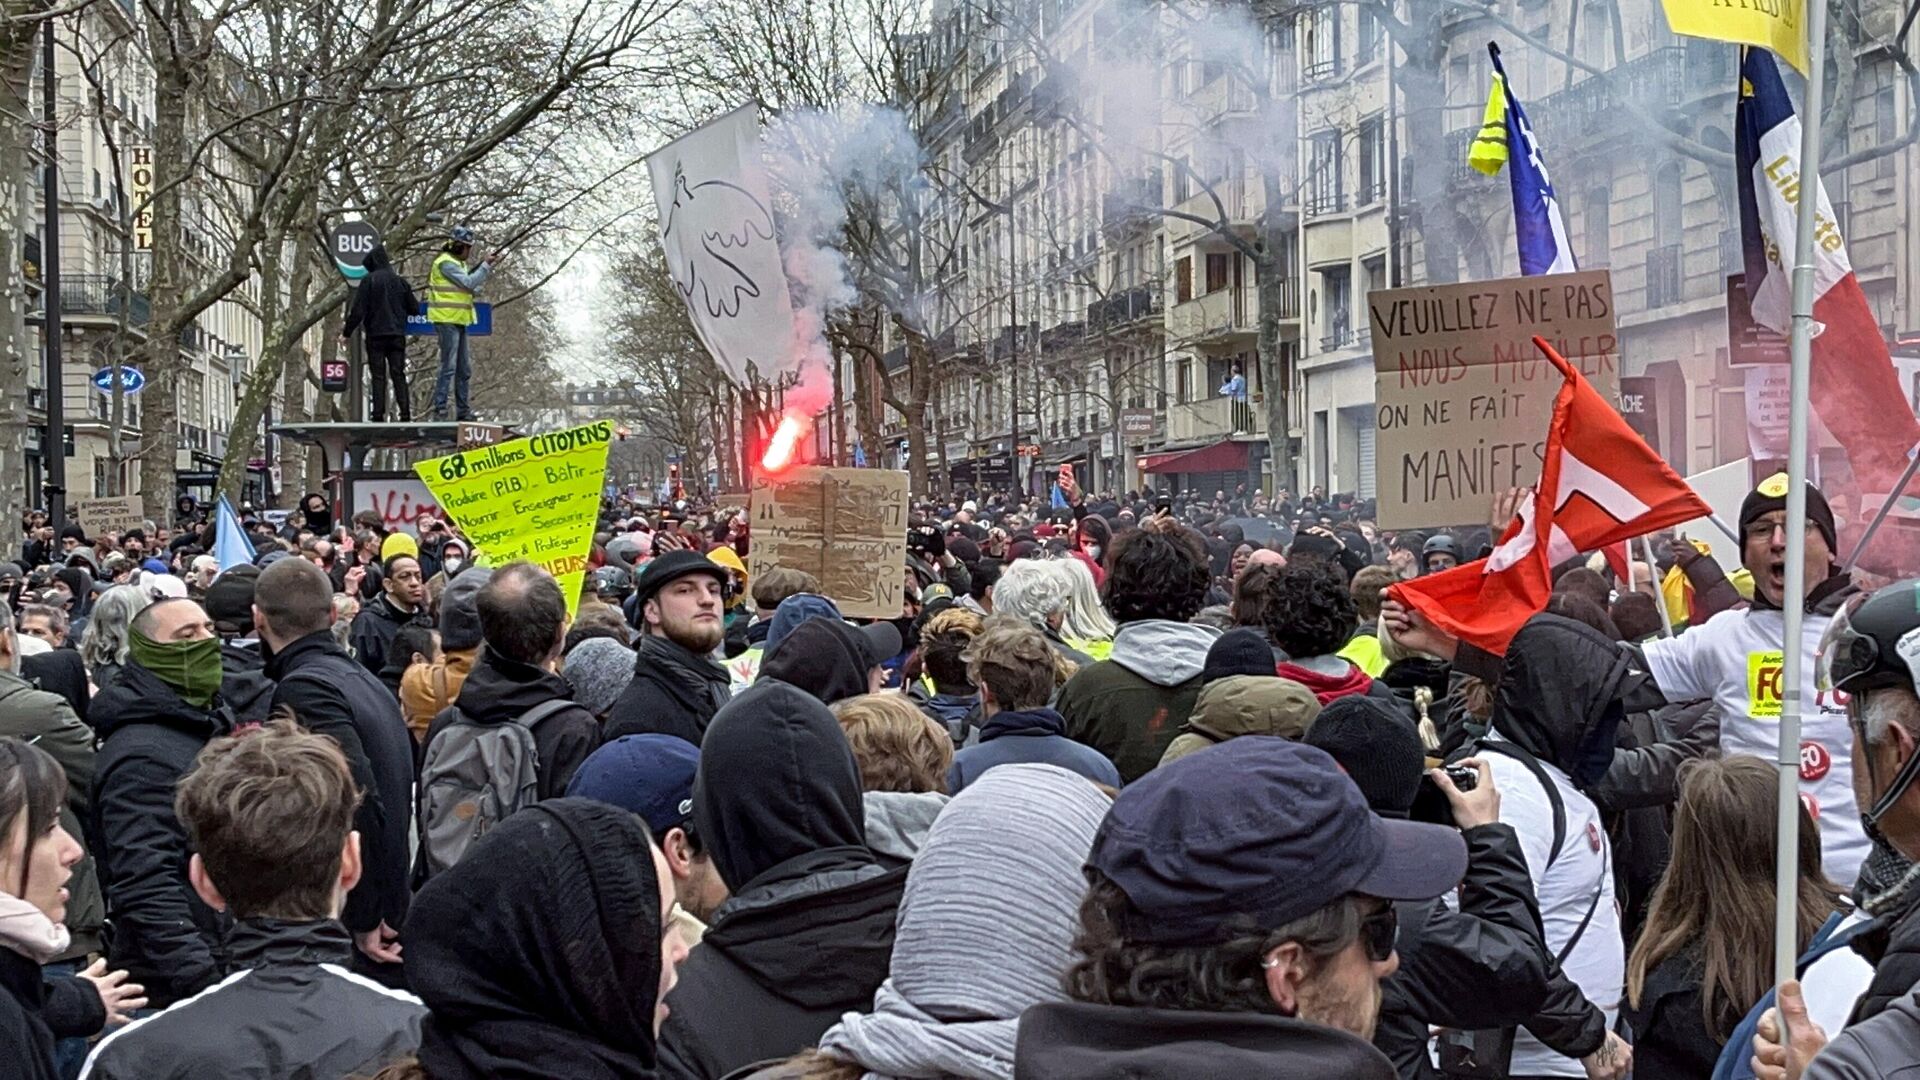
column 1735, row 658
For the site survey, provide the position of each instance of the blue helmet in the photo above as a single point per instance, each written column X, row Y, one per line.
column 462, row 235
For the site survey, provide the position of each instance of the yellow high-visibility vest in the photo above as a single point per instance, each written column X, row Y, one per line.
column 448, row 301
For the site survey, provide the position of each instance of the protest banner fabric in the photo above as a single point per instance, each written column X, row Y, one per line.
column 535, row 498
column 846, row 527
column 1771, row 24
column 1463, row 397
column 101, row 516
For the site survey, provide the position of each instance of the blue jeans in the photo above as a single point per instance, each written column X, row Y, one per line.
column 456, row 366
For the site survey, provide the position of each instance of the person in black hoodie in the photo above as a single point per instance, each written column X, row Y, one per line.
column 546, row 954
column 152, row 722
column 332, row 695
column 808, row 931
column 676, row 685
column 244, row 686
column 831, row 659
column 381, row 304
column 402, row 602
column 523, row 620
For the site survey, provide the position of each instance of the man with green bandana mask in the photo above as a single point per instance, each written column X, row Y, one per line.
column 154, row 718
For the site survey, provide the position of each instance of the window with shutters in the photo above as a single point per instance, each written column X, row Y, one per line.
column 1183, row 280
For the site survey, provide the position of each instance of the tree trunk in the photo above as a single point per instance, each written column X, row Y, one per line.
column 1423, row 89
column 16, row 358
column 280, row 337
column 162, row 363
column 1274, row 282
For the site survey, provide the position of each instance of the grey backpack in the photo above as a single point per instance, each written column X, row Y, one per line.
column 474, row 777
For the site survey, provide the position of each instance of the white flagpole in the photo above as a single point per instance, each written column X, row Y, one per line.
column 1786, row 944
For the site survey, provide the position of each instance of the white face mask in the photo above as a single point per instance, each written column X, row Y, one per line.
column 451, row 566
column 1093, row 552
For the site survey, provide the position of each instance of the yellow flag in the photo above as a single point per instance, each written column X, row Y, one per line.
column 536, row 498
column 1779, row 25
column 1489, row 150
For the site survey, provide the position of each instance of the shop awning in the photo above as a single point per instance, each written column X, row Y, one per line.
column 1223, row 456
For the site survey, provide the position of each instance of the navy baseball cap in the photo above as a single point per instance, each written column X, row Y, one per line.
column 648, row 775
column 795, row 610
column 1259, row 828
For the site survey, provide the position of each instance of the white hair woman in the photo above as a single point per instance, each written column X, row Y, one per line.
column 1087, row 626
column 1037, row 591
column 104, row 645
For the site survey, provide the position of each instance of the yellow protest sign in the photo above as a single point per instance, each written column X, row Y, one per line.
column 536, row 498
column 1779, row 25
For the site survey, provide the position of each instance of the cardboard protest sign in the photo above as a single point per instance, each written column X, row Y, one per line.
column 116, row 515
column 535, row 498
column 846, row 527
column 1462, row 397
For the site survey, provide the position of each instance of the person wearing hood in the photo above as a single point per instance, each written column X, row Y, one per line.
column 402, row 602
column 164, row 707
column 831, row 659
column 1239, row 918
column 428, row 689
column 808, row 931
column 523, row 619
column 550, row 953
column 985, row 929
column 1556, row 714
column 1480, row 966
column 382, row 304
column 903, row 760
column 449, row 558
column 1244, row 705
column 317, row 513
column 1730, row 657
column 1013, row 665
column 244, row 685
column 677, row 687
column 1130, row 706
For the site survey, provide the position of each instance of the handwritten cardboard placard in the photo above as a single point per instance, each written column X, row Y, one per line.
column 846, row 527
column 1462, row 396
column 536, row 498
column 116, row 514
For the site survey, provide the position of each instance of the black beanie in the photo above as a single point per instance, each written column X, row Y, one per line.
column 229, row 600
column 1238, row 652
column 1377, row 748
column 74, row 531
column 1771, row 495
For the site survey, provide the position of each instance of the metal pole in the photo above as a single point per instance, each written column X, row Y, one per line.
column 1659, row 594
column 1786, row 944
column 1913, row 463
column 53, row 447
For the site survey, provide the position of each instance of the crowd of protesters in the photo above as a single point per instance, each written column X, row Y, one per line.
column 1133, row 785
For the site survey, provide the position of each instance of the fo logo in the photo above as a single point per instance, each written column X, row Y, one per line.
column 1766, row 683
column 1815, row 762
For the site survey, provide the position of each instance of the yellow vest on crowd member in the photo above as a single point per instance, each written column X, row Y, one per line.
column 448, row 301
column 1364, row 652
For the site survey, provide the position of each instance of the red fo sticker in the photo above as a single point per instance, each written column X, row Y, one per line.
column 1812, row 804
column 1593, row 836
column 1815, row 762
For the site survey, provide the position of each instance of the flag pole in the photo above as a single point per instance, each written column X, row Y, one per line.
column 1659, row 594
column 1786, row 944
column 1913, row 463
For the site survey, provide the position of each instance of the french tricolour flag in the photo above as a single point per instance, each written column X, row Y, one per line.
column 1855, row 387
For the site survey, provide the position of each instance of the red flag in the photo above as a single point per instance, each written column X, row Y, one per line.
column 1486, row 602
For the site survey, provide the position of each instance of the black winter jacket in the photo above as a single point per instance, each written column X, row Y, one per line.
column 499, row 690
column 24, row 1036
column 382, row 301
column 1480, row 967
column 1892, row 946
column 1075, row 1041
column 1670, row 1036
column 163, row 933
column 375, row 628
column 244, row 685
column 332, row 695
column 673, row 692
column 289, row 1010
column 1886, row 1047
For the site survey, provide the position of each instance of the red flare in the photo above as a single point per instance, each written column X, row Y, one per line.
column 786, row 439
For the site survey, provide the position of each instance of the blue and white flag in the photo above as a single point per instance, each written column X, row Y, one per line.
column 1538, row 228
column 230, row 543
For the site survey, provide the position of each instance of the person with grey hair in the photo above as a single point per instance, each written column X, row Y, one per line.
column 985, row 929
column 1087, row 626
column 1036, row 592
column 104, row 644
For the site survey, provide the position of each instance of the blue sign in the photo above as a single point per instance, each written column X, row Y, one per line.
column 418, row 326
column 131, row 380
